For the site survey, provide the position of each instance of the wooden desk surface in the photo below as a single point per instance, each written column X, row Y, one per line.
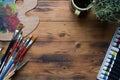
column 68, row 47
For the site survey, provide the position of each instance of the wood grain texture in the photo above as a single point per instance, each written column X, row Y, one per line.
column 68, row 47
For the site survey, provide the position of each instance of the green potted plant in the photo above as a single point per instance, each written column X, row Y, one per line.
column 107, row 10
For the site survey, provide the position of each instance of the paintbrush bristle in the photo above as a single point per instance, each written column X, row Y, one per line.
column 33, row 38
column 20, row 26
column 21, row 32
column 30, row 36
column 3, row 51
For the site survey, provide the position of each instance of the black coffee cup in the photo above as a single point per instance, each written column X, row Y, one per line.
column 79, row 6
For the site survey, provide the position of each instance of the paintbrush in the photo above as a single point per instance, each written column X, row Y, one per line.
column 15, row 70
column 1, row 49
column 11, row 68
column 2, row 54
column 19, row 38
column 17, row 42
column 22, row 47
column 27, row 47
column 7, row 73
column 17, row 31
column 6, row 63
column 16, row 46
column 9, row 64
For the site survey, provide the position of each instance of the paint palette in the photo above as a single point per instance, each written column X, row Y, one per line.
column 110, row 69
column 17, row 15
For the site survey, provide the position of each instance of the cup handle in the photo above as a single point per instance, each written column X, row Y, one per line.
column 77, row 12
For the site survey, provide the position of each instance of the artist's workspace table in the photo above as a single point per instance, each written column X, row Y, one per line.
column 68, row 47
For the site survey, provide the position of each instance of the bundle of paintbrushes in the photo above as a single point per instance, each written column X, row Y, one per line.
column 10, row 60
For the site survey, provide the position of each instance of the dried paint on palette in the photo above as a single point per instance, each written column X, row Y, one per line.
column 8, row 16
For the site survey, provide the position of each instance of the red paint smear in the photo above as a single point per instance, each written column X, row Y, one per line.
column 12, row 21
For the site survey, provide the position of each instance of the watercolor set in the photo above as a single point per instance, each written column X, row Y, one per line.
column 110, row 69
column 11, row 59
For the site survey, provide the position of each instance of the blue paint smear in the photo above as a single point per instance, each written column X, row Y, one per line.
column 2, row 26
column 8, row 1
column 1, row 23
